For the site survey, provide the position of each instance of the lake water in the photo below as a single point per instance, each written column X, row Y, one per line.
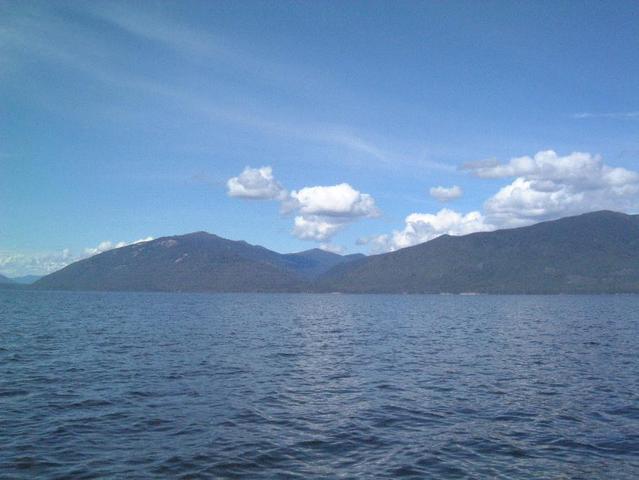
column 137, row 385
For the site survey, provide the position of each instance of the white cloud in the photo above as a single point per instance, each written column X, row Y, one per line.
column 331, row 247
column 50, row 38
column 548, row 186
column 422, row 227
column 324, row 210
column 142, row 240
column 543, row 187
column 445, row 194
column 320, row 211
column 491, row 168
column 611, row 115
column 583, row 169
column 103, row 247
column 109, row 245
column 334, row 201
column 14, row 264
column 256, row 184
column 315, row 227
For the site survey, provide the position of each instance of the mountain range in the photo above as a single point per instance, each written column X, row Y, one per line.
column 17, row 283
column 591, row 253
column 196, row 262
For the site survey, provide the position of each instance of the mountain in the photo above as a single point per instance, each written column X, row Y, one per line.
column 592, row 253
column 311, row 263
column 26, row 279
column 9, row 284
column 195, row 262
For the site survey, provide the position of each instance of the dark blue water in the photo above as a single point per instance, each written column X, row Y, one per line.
column 318, row 386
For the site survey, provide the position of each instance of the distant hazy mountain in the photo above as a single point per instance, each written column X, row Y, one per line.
column 312, row 263
column 591, row 253
column 194, row 262
column 8, row 284
column 26, row 279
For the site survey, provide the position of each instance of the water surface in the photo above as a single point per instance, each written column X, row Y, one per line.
column 146, row 385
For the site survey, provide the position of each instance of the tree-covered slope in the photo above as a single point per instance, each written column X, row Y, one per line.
column 591, row 253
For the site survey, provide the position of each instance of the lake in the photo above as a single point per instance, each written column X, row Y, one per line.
column 150, row 385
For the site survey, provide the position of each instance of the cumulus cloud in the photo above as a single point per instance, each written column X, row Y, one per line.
column 324, row 210
column 548, row 186
column 583, row 169
column 320, row 211
column 544, row 186
column 313, row 227
column 334, row 201
column 446, row 194
column 422, row 227
column 15, row 264
column 109, row 245
column 103, row 247
column 256, row 184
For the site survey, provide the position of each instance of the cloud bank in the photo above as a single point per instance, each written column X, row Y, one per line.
column 548, row 186
column 43, row 263
column 422, row 227
column 544, row 186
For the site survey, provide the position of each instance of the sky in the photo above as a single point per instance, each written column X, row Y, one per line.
column 349, row 126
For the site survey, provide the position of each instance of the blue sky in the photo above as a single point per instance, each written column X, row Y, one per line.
column 124, row 121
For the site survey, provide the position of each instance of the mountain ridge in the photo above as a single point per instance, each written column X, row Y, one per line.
column 198, row 261
column 596, row 252
column 26, row 279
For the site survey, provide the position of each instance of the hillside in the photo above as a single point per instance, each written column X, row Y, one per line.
column 592, row 253
column 194, row 262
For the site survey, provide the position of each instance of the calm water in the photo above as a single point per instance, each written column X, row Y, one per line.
column 318, row 386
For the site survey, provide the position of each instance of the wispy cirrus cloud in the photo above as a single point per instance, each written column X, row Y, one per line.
column 193, row 43
column 632, row 115
column 53, row 38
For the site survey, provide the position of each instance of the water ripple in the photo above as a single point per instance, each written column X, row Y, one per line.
column 117, row 385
